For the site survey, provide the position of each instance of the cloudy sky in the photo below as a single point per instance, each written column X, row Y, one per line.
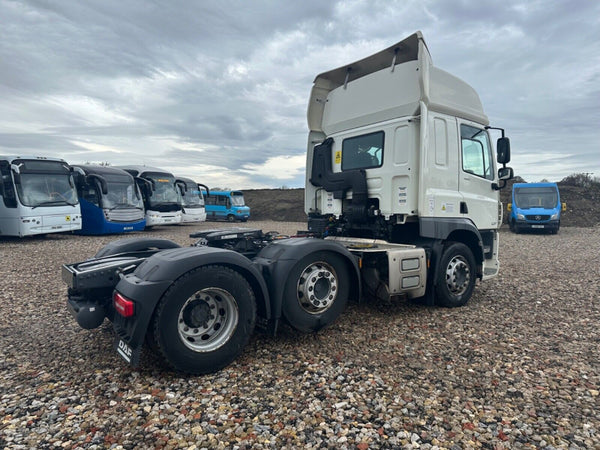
column 218, row 90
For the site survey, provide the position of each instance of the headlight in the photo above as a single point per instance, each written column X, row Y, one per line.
column 520, row 217
column 554, row 216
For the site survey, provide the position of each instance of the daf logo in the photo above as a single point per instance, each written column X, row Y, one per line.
column 538, row 217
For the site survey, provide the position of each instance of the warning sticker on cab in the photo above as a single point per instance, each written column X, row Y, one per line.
column 338, row 157
column 67, row 218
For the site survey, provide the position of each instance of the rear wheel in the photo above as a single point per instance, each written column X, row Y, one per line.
column 455, row 275
column 316, row 291
column 204, row 320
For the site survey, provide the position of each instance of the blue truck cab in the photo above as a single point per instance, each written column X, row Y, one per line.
column 535, row 206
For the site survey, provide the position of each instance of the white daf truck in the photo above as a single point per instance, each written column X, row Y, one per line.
column 399, row 151
column 402, row 202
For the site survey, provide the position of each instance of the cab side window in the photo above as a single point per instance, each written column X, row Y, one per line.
column 363, row 152
column 476, row 152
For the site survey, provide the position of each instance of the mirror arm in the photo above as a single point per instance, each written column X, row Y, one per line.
column 497, row 187
column 495, row 128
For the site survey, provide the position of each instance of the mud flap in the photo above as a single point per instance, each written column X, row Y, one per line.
column 375, row 289
column 128, row 353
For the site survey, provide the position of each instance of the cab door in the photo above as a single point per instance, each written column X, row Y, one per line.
column 477, row 176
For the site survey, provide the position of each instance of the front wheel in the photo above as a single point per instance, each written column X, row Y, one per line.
column 204, row 320
column 316, row 291
column 230, row 218
column 455, row 276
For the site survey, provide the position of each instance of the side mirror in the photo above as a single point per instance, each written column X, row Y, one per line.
column 200, row 186
column 564, row 206
column 101, row 181
column 146, row 186
column 505, row 173
column 182, row 186
column 503, row 150
column 16, row 173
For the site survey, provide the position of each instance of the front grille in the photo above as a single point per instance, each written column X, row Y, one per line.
column 125, row 215
column 538, row 217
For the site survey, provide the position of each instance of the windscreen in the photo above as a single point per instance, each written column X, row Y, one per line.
column 237, row 199
column 192, row 197
column 165, row 190
column 536, row 197
column 122, row 193
column 46, row 189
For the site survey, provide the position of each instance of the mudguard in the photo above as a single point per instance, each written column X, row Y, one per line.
column 437, row 228
column 278, row 258
column 147, row 284
column 134, row 245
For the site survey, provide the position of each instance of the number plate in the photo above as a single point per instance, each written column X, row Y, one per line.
column 537, row 226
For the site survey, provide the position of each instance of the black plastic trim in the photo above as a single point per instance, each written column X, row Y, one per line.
column 322, row 175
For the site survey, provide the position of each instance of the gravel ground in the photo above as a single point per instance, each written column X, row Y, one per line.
column 518, row 367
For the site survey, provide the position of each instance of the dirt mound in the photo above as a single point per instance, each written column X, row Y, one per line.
column 287, row 205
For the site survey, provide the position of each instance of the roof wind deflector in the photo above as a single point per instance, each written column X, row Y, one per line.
column 348, row 70
column 405, row 50
column 396, row 50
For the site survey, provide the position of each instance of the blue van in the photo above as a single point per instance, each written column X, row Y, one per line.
column 228, row 205
column 535, row 206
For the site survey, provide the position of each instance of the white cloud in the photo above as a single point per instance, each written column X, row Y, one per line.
column 278, row 168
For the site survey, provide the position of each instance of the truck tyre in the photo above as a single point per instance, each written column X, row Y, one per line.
column 230, row 218
column 455, row 276
column 316, row 291
column 204, row 320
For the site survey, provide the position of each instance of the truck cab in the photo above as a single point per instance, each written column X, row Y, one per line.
column 535, row 206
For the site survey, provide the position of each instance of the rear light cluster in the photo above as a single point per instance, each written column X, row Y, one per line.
column 123, row 305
